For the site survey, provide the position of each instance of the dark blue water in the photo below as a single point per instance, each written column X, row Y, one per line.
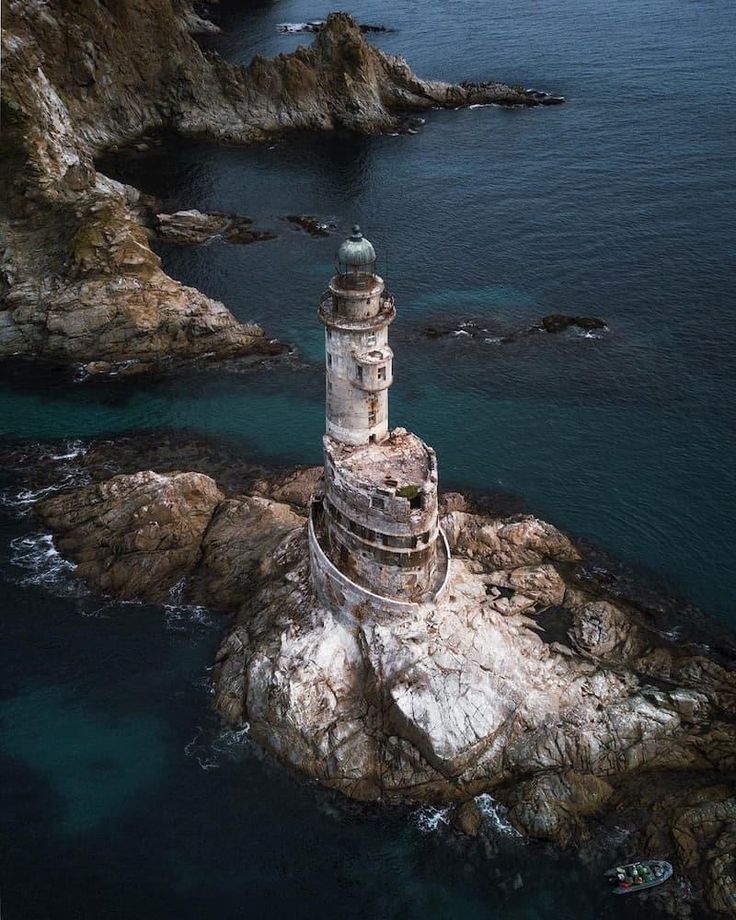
column 619, row 205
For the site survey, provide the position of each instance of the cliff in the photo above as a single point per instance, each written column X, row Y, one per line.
column 80, row 77
column 529, row 680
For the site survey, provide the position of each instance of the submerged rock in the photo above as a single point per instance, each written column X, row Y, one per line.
column 467, row 818
column 452, row 699
column 312, row 225
column 555, row 322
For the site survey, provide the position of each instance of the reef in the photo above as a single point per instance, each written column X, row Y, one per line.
column 552, row 323
column 79, row 282
column 535, row 679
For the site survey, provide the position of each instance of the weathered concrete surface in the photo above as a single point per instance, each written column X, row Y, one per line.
column 470, row 697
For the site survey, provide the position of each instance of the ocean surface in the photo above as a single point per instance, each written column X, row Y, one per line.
column 122, row 796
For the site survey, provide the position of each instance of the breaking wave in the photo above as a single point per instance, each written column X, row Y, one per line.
column 430, row 819
column 494, row 816
column 68, row 474
column 45, row 565
column 209, row 752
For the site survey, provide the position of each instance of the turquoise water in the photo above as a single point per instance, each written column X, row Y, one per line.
column 124, row 798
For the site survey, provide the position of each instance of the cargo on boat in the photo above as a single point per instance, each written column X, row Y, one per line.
column 637, row 876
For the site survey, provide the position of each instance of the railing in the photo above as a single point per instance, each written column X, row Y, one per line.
column 329, row 569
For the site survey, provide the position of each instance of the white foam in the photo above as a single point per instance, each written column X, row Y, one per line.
column 430, row 819
column 182, row 617
column 46, row 566
column 494, row 816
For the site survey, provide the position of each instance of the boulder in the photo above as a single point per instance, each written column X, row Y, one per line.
column 552, row 806
column 467, row 818
column 134, row 536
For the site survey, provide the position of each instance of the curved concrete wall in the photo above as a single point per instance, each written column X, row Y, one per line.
column 340, row 594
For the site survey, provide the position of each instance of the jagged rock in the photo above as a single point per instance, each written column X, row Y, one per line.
column 115, row 304
column 467, row 818
column 540, row 585
column 80, row 78
column 312, row 225
column 295, row 487
column 238, row 543
column 507, row 543
column 193, row 227
column 134, row 536
column 553, row 806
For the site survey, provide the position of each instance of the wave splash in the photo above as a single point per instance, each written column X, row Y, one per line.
column 494, row 816
column 46, row 567
column 429, row 819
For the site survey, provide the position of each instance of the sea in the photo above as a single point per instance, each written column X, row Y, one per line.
column 122, row 795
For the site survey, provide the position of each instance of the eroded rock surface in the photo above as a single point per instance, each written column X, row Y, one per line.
column 194, row 227
column 462, row 697
column 79, row 78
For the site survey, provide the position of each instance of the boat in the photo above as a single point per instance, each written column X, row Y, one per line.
column 637, row 876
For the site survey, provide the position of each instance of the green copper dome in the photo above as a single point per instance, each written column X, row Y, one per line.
column 356, row 252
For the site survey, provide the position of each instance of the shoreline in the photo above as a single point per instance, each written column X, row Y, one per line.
column 103, row 460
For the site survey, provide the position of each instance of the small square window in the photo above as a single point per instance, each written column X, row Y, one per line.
column 377, row 502
column 381, row 373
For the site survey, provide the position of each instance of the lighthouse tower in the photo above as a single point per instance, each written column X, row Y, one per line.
column 374, row 528
column 357, row 312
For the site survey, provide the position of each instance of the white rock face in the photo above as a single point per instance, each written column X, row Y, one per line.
column 466, row 696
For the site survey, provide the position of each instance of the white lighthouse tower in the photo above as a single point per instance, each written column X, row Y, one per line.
column 357, row 312
column 374, row 532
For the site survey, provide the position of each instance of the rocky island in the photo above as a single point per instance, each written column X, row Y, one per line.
column 80, row 283
column 399, row 644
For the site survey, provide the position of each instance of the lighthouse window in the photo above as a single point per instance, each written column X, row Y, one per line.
column 372, row 417
column 359, row 372
column 329, row 333
column 381, row 373
column 329, row 360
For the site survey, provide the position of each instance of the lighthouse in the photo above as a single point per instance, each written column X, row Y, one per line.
column 374, row 532
column 356, row 312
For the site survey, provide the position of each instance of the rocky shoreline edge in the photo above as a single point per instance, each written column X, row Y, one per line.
column 79, row 281
column 536, row 680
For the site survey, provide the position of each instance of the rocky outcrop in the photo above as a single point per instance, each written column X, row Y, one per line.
column 449, row 700
column 193, row 227
column 312, row 225
column 114, row 307
column 135, row 536
column 78, row 78
column 316, row 25
column 553, row 323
